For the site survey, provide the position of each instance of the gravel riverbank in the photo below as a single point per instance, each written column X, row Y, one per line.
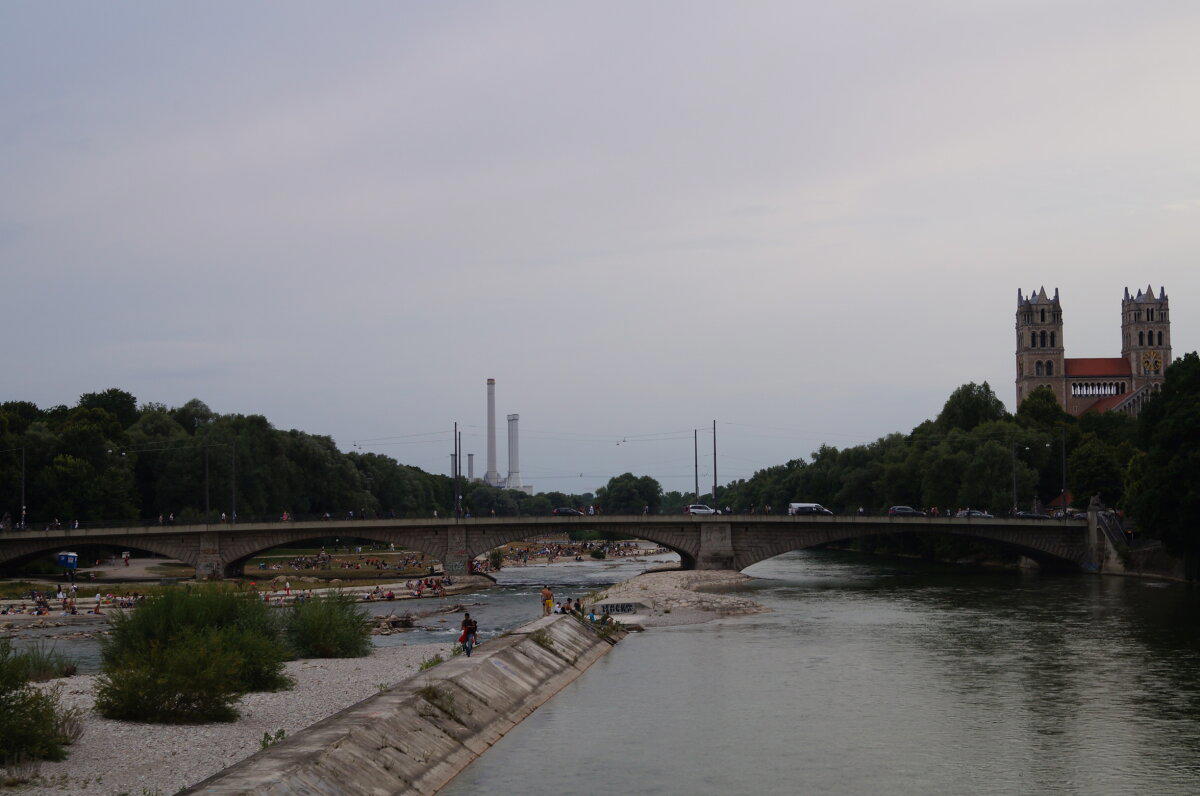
column 683, row 597
column 124, row 757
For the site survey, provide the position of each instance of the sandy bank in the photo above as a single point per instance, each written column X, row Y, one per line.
column 684, row 597
column 125, row 757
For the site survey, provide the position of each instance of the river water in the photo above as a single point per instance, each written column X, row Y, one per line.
column 881, row 676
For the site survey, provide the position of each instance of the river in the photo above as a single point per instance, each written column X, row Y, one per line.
column 875, row 675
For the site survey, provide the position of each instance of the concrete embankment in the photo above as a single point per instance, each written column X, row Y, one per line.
column 415, row 736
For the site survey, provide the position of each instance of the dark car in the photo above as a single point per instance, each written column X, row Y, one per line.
column 904, row 511
column 564, row 511
column 968, row 513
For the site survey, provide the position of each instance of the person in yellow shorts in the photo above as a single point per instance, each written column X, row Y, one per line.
column 547, row 601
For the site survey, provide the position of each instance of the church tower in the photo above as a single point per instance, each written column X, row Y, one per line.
column 1040, row 345
column 1146, row 336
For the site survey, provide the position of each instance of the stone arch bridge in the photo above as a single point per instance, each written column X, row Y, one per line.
column 703, row 542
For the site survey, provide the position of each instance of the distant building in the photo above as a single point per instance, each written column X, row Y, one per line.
column 1104, row 384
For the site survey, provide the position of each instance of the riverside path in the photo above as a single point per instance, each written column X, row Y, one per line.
column 702, row 542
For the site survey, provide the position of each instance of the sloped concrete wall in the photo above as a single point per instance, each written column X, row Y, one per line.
column 414, row 737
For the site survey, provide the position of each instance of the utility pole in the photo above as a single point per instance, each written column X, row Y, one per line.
column 1064, row 468
column 207, row 508
column 714, row 464
column 454, row 476
column 696, row 456
column 232, row 483
column 22, row 487
column 1014, row 469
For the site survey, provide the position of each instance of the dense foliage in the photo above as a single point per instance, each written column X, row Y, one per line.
column 187, row 655
column 1165, row 479
column 32, row 723
column 330, row 626
column 965, row 458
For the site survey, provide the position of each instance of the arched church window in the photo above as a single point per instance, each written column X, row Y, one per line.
column 1160, row 338
column 1042, row 338
column 1037, row 368
column 1033, row 339
column 1043, row 316
column 1053, row 336
column 1049, row 368
column 1141, row 338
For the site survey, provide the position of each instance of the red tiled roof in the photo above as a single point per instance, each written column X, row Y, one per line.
column 1101, row 366
column 1104, row 404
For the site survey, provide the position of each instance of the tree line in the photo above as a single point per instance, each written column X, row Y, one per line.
column 109, row 459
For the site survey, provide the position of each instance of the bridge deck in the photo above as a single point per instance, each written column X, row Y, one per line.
column 600, row 522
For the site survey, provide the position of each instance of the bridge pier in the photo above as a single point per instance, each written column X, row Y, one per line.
column 716, row 546
column 208, row 557
column 456, row 557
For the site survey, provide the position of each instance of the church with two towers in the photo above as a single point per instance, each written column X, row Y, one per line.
column 1098, row 384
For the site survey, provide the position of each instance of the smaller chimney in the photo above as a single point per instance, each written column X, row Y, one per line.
column 453, row 465
column 470, row 467
column 514, row 465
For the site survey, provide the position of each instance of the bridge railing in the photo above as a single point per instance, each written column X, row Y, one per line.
column 341, row 518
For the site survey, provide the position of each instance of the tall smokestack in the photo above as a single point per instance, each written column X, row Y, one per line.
column 514, row 461
column 470, row 467
column 492, row 476
column 453, row 465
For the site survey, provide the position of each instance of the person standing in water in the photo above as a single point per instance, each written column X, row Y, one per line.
column 547, row 601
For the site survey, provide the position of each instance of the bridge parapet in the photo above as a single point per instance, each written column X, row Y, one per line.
column 706, row 542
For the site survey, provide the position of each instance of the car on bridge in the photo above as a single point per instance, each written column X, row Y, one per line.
column 1030, row 515
column 905, row 511
column 566, row 511
column 808, row 508
column 699, row 508
column 974, row 513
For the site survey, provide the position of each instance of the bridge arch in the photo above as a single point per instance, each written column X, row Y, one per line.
column 237, row 552
column 683, row 542
column 18, row 553
column 1053, row 549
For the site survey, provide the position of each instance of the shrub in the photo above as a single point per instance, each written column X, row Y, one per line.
column 40, row 662
column 429, row 663
column 331, row 626
column 194, row 677
column 32, row 723
column 248, row 631
column 496, row 559
column 597, row 553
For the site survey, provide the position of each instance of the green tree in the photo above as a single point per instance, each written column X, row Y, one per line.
column 118, row 403
column 1165, row 487
column 1094, row 469
column 970, row 405
column 629, row 494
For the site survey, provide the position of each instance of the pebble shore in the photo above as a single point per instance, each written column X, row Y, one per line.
column 124, row 757
column 680, row 597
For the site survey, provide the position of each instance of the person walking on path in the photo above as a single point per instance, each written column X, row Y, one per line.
column 469, row 630
column 547, row 601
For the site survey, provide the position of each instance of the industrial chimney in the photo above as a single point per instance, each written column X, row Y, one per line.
column 492, row 476
column 514, row 465
column 470, row 467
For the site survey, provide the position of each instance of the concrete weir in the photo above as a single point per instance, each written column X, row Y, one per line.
column 415, row 736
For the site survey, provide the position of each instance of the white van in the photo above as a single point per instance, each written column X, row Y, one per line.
column 808, row 508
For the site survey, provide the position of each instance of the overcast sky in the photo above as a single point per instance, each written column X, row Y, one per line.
column 808, row 220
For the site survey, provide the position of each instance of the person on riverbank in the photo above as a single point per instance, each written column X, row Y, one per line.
column 547, row 601
column 470, row 630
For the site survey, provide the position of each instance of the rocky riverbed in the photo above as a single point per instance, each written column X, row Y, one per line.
column 680, row 597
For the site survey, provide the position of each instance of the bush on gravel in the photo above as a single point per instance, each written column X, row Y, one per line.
column 33, row 726
column 330, row 626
